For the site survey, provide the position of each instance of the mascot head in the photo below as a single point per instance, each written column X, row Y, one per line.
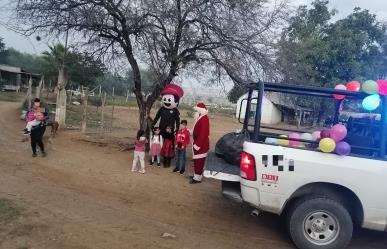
column 170, row 96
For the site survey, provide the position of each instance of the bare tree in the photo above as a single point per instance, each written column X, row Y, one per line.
column 233, row 37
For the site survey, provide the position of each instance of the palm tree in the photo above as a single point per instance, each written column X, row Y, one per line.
column 56, row 57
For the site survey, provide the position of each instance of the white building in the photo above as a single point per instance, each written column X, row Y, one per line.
column 270, row 113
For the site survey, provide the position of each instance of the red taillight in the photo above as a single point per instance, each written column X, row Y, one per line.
column 248, row 167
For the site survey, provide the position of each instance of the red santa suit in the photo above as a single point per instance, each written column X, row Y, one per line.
column 201, row 140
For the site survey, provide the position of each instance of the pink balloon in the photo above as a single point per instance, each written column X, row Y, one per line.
column 316, row 135
column 340, row 87
column 338, row 132
column 382, row 87
column 295, row 136
column 326, row 133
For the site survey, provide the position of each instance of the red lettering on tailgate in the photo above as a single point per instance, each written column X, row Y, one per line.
column 270, row 177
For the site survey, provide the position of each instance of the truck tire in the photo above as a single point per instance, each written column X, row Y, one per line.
column 319, row 223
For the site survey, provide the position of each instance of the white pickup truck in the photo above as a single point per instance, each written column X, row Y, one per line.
column 322, row 196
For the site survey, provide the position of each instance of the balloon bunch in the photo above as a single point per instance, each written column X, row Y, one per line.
column 370, row 87
column 293, row 143
column 331, row 140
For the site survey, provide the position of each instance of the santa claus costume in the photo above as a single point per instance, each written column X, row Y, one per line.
column 201, row 141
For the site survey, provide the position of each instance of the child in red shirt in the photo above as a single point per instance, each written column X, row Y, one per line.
column 181, row 142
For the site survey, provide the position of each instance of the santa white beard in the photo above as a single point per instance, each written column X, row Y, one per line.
column 196, row 115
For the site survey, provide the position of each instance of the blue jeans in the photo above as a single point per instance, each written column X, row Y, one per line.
column 180, row 160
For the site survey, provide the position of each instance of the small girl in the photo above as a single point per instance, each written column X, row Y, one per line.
column 139, row 152
column 156, row 144
column 168, row 151
column 34, row 118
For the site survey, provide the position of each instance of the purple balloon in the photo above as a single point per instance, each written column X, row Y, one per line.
column 326, row 133
column 338, row 132
column 343, row 149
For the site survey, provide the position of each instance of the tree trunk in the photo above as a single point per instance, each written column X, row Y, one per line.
column 84, row 115
column 61, row 98
column 39, row 88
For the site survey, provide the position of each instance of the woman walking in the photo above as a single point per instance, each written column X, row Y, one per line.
column 37, row 132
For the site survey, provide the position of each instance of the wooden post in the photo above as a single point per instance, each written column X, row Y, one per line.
column 84, row 115
column 102, row 114
column 111, row 122
column 29, row 92
column 71, row 95
column 127, row 96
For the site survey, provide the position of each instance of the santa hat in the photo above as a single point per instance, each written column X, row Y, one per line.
column 173, row 89
column 201, row 108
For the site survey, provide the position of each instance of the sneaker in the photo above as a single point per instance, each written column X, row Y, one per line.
column 34, row 155
column 182, row 172
column 193, row 181
column 150, row 163
column 133, row 170
column 44, row 154
column 142, row 172
column 175, row 170
column 26, row 133
column 159, row 165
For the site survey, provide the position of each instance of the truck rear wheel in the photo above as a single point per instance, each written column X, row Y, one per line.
column 320, row 223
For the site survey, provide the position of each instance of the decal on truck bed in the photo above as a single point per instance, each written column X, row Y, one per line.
column 277, row 161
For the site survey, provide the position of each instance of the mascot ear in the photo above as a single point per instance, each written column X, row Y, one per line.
column 177, row 99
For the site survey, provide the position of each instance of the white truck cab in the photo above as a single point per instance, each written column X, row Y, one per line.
column 321, row 195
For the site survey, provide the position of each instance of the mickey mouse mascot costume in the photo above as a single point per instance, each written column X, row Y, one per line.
column 168, row 114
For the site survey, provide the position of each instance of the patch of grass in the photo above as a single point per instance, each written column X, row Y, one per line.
column 8, row 211
column 121, row 101
column 74, row 116
column 11, row 96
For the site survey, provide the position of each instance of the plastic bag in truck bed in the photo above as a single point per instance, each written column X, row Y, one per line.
column 230, row 146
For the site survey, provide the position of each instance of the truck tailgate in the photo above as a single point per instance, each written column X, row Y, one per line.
column 219, row 169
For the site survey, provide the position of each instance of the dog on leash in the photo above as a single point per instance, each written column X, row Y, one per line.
column 54, row 127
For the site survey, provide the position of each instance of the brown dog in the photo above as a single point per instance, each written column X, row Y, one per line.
column 54, row 127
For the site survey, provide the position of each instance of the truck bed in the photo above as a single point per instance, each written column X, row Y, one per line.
column 219, row 169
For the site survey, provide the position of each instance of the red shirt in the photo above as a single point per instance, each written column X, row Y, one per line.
column 182, row 139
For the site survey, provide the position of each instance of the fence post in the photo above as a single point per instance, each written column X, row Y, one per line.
column 102, row 114
column 111, row 122
column 29, row 92
column 84, row 115
column 127, row 96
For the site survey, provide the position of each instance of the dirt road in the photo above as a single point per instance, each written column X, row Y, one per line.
column 84, row 196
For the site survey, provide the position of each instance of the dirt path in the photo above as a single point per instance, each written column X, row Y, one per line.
column 84, row 196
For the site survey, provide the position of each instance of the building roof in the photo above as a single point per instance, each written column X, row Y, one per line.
column 279, row 99
column 10, row 69
column 15, row 70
